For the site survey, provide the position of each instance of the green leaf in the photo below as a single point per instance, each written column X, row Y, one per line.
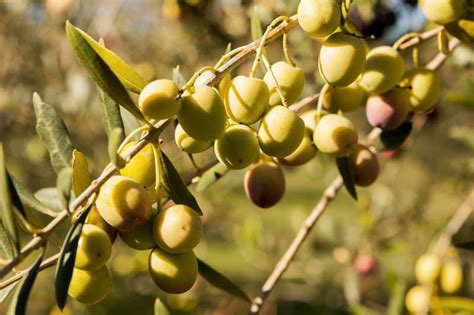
column 20, row 300
column 115, row 139
column 345, row 170
column 29, row 200
column 462, row 29
column 211, row 176
column 178, row 78
column 5, row 242
column 256, row 31
column 50, row 197
column 111, row 110
column 221, row 282
column 14, row 196
column 6, row 211
column 395, row 138
column 464, row 237
column 53, row 133
column 130, row 78
column 455, row 303
column 99, row 71
column 397, row 298
column 160, row 308
column 174, row 185
column 5, row 292
column 64, row 186
column 66, row 260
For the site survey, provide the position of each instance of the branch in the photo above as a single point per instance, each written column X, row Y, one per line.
column 422, row 37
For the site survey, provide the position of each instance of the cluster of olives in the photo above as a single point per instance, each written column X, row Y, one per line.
column 125, row 206
column 428, row 269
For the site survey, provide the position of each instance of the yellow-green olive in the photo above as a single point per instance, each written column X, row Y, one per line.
column 202, row 114
column 94, row 248
column 238, row 147
column 123, row 203
column 304, row 153
column 424, row 86
column 89, row 286
column 280, row 132
column 335, row 134
column 94, row 218
column 427, row 268
column 451, row 276
column 417, row 300
column 177, row 229
column 140, row 238
column 290, row 79
column 173, row 273
column 246, row 99
column 319, row 18
column 345, row 99
column 158, row 100
column 142, row 166
column 188, row 144
column 443, row 11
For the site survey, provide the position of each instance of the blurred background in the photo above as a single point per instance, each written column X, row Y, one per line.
column 360, row 257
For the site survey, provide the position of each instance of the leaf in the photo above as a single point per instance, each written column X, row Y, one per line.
column 20, row 300
column 160, row 308
column 178, row 78
column 130, row 78
column 397, row 296
column 99, row 71
column 462, row 29
column 14, row 196
column 111, row 111
column 53, row 133
column 81, row 177
column 5, row 292
column 211, row 176
column 464, row 237
column 115, row 139
column 64, row 186
column 5, row 242
column 50, row 197
column 455, row 303
column 66, row 260
column 6, row 211
column 29, row 200
column 221, row 282
column 256, row 31
column 395, row 138
column 345, row 170
column 174, row 185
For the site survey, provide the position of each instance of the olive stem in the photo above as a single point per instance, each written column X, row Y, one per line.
column 286, row 50
column 322, row 93
column 277, row 85
column 196, row 75
column 156, row 151
column 412, row 39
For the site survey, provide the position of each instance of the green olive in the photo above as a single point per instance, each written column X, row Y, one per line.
column 238, row 147
column 246, row 99
column 89, row 286
column 425, row 87
column 364, row 165
column 123, row 203
column 264, row 184
column 335, row 134
column 290, row 79
column 207, row 75
column 451, row 276
column 319, row 18
column 94, row 218
column 341, row 59
column 384, row 67
column 280, row 132
column 389, row 110
column 140, row 238
column 142, row 166
column 202, row 114
column 310, row 118
column 189, row 144
column 345, row 99
column 443, row 11
column 173, row 273
column 417, row 300
column 177, row 229
column 94, row 248
column 305, row 152
column 427, row 268
column 158, row 100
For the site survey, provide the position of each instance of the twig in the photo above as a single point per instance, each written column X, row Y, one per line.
column 440, row 58
column 422, row 37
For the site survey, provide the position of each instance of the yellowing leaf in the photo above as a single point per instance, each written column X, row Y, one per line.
column 80, row 172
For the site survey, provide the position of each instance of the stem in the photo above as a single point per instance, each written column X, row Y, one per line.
column 410, row 40
column 196, row 75
column 286, row 50
column 441, row 57
column 298, row 106
column 277, row 85
column 322, row 93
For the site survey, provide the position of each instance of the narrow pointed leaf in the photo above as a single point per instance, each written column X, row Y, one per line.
column 115, row 139
column 20, row 300
column 81, row 177
column 6, row 210
column 64, row 186
column 29, row 200
column 15, row 196
column 256, row 31
column 395, row 138
column 66, row 260
column 5, row 292
column 463, row 29
column 178, row 78
column 211, row 176
column 50, row 197
column 99, row 71
column 5, row 243
column 53, row 133
column 174, row 185
column 455, row 303
column 111, row 111
column 345, row 171
column 219, row 281
column 160, row 308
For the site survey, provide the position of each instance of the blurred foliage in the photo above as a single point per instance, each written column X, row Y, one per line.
column 392, row 222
